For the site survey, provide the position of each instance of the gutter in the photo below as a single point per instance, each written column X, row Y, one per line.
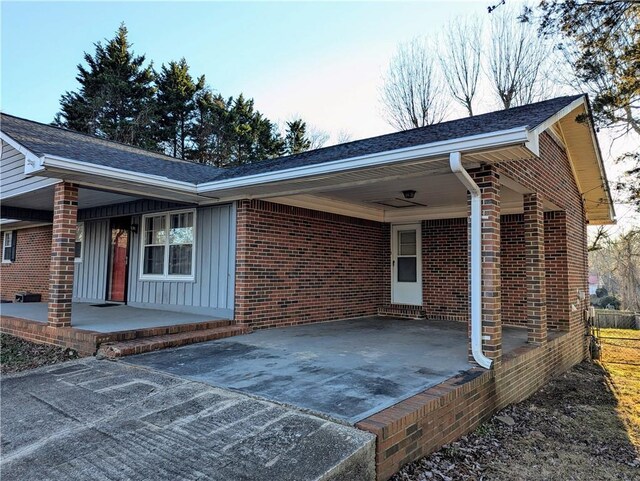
column 63, row 165
column 455, row 162
column 503, row 138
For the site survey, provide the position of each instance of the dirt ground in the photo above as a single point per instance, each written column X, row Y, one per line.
column 574, row 428
column 18, row 355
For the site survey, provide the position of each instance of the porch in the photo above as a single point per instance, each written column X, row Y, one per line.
column 119, row 329
column 347, row 369
column 107, row 317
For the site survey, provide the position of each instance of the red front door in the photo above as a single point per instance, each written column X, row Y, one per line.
column 118, row 268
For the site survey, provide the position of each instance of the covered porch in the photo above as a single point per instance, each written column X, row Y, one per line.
column 346, row 369
column 107, row 317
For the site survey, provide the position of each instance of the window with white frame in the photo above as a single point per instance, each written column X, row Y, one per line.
column 168, row 245
column 7, row 247
column 79, row 242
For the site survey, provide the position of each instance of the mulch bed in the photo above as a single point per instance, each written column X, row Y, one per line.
column 19, row 355
column 569, row 430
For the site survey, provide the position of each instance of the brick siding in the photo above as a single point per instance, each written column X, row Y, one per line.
column 441, row 414
column 551, row 176
column 295, row 266
column 30, row 271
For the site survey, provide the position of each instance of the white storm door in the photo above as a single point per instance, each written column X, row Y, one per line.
column 406, row 264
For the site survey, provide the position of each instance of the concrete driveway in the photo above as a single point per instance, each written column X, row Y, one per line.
column 347, row 370
column 103, row 420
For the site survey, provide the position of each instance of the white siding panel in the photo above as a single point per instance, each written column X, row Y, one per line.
column 12, row 178
column 90, row 275
column 212, row 290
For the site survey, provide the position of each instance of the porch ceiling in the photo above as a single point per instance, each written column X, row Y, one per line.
column 438, row 195
column 42, row 199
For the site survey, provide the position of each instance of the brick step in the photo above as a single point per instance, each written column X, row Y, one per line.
column 114, row 350
column 409, row 312
column 163, row 330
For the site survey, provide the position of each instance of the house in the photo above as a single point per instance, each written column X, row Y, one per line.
column 480, row 220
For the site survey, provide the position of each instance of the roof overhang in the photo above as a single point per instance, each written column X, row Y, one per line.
column 102, row 177
column 492, row 147
column 584, row 154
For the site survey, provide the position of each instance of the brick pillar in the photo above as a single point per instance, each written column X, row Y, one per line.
column 535, row 269
column 65, row 214
column 487, row 179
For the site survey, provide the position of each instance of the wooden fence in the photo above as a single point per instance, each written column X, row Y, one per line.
column 617, row 319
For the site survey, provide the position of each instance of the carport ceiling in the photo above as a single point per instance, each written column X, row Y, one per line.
column 42, row 199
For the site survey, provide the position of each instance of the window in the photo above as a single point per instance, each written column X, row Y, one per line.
column 167, row 245
column 79, row 242
column 9, row 246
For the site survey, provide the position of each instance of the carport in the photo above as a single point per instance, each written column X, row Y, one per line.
column 346, row 370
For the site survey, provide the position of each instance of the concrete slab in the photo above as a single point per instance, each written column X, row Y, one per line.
column 346, row 370
column 104, row 420
column 105, row 319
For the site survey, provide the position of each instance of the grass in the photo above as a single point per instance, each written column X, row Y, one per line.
column 621, row 359
column 582, row 425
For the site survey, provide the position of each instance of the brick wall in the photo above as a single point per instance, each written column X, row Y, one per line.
column 551, row 176
column 85, row 342
column 439, row 415
column 513, row 274
column 296, row 266
column 30, row 271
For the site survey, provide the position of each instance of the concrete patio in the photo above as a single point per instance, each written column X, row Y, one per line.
column 346, row 370
column 114, row 318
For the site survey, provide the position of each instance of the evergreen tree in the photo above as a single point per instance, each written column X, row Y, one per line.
column 176, row 105
column 252, row 136
column 116, row 96
column 296, row 140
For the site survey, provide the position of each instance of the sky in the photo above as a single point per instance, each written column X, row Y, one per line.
column 321, row 61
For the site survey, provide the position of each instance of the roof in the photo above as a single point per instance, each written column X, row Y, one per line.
column 42, row 139
column 529, row 116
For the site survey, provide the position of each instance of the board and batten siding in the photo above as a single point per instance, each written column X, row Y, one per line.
column 90, row 275
column 13, row 181
column 212, row 291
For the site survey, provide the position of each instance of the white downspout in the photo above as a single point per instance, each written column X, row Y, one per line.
column 455, row 162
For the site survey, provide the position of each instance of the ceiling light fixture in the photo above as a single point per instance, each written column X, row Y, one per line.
column 409, row 194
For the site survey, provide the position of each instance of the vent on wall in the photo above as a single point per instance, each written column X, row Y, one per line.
column 399, row 203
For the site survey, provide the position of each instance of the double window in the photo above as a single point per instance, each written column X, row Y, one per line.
column 168, row 245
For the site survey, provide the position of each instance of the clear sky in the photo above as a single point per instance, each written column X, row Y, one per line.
column 320, row 60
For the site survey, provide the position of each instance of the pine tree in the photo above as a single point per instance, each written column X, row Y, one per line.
column 116, row 95
column 176, row 105
column 296, row 140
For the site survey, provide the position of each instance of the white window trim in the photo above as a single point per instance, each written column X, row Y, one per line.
column 5, row 234
column 78, row 260
column 166, row 276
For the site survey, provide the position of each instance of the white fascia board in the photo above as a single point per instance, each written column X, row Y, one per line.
column 534, row 134
column 538, row 129
column 32, row 163
column 501, row 138
column 61, row 164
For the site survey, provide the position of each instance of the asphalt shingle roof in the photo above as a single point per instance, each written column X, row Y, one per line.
column 45, row 139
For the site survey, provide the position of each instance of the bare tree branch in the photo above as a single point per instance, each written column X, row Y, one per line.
column 412, row 91
column 460, row 59
column 517, row 60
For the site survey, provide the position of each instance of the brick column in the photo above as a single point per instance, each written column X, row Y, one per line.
column 487, row 179
column 65, row 214
column 535, row 269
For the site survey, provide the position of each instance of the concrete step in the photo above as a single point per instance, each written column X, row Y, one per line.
column 163, row 330
column 112, row 350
